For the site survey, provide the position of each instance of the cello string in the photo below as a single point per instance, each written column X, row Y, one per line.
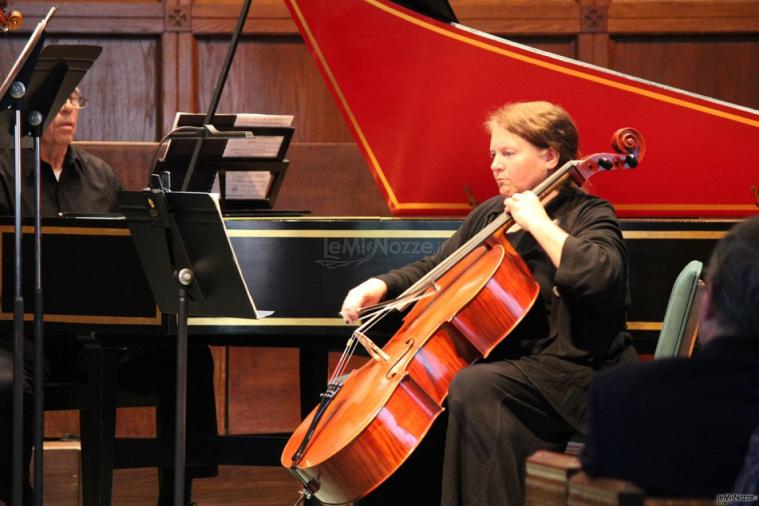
column 350, row 347
column 398, row 303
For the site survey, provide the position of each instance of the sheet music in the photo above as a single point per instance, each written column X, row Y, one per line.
column 245, row 184
column 250, row 120
column 262, row 146
column 244, row 120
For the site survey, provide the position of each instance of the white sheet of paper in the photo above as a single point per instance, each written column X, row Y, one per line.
column 246, row 184
column 252, row 119
column 262, row 146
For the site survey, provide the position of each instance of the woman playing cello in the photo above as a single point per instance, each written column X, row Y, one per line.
column 531, row 393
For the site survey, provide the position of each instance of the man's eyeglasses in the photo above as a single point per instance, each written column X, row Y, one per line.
column 77, row 101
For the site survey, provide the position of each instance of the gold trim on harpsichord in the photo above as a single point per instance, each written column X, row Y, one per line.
column 673, row 234
column 686, row 207
column 86, row 319
column 322, row 234
column 645, row 325
column 91, row 319
column 267, row 322
column 342, row 218
column 534, row 61
column 444, row 234
column 330, row 322
column 56, row 230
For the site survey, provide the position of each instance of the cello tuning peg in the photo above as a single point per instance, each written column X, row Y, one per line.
column 605, row 163
column 631, row 160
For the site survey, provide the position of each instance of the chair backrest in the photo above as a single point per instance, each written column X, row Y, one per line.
column 680, row 325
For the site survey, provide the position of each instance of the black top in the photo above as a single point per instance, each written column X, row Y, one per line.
column 748, row 479
column 677, row 426
column 87, row 185
column 580, row 325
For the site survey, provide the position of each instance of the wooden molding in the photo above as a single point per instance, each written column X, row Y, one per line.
column 594, row 18
column 683, row 16
column 177, row 18
column 96, row 18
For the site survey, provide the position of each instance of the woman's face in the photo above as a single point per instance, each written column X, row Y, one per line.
column 518, row 165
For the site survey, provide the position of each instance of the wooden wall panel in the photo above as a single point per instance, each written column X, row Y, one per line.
column 564, row 46
column 122, row 86
column 273, row 76
column 10, row 44
column 263, row 390
column 518, row 17
column 318, row 177
column 723, row 67
column 265, row 17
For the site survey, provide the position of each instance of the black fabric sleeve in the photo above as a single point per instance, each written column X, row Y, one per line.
column 594, row 259
column 398, row 280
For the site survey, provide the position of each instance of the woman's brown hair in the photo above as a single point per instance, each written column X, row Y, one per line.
column 542, row 124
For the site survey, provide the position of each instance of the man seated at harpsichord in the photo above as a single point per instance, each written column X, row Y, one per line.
column 74, row 181
column 71, row 180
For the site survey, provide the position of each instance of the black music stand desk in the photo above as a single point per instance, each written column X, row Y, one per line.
column 188, row 259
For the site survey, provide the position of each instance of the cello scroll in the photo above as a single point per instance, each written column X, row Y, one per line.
column 9, row 20
column 629, row 146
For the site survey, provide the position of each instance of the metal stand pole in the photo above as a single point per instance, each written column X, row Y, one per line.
column 39, row 333
column 184, row 278
column 18, row 330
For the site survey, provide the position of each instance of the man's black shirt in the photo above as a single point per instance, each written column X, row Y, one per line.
column 87, row 185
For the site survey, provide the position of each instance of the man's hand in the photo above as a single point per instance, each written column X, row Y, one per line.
column 366, row 294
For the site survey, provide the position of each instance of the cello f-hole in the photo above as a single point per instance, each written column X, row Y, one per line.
column 392, row 371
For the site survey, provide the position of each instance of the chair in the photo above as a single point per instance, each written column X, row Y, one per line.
column 549, row 474
column 677, row 337
column 680, row 325
column 102, row 452
column 96, row 402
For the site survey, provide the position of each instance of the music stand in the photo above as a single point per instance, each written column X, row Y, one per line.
column 256, row 152
column 41, row 83
column 192, row 270
column 38, row 84
column 12, row 92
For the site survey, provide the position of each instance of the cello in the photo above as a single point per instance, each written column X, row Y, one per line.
column 370, row 421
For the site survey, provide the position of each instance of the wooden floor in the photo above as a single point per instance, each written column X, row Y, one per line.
column 235, row 485
column 251, row 486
